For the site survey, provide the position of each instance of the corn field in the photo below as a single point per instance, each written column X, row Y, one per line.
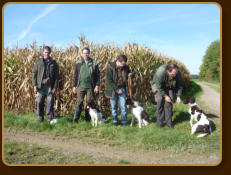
column 18, row 63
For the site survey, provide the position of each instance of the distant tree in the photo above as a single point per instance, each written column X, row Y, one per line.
column 195, row 76
column 210, row 68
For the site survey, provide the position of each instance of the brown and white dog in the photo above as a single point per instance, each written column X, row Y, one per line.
column 202, row 123
column 140, row 114
column 54, row 115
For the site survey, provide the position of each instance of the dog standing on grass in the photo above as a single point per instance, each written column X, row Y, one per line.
column 54, row 115
column 96, row 116
column 196, row 114
column 139, row 113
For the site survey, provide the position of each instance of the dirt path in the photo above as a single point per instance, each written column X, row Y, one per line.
column 210, row 100
column 71, row 147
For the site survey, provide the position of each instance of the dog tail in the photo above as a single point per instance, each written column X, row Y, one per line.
column 202, row 135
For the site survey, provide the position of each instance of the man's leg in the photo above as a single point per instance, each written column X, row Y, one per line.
column 89, row 98
column 168, row 110
column 160, row 109
column 80, row 97
column 113, row 102
column 40, row 106
column 123, row 107
column 50, row 106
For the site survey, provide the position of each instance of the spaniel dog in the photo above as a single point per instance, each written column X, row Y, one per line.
column 54, row 115
column 96, row 116
column 202, row 123
column 140, row 114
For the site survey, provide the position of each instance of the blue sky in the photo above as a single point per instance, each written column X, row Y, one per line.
column 181, row 31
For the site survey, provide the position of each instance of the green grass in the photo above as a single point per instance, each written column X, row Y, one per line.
column 150, row 137
column 147, row 138
column 22, row 153
column 123, row 162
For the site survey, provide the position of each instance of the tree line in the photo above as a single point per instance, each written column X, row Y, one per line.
column 210, row 68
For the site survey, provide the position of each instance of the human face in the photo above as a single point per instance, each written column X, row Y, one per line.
column 120, row 64
column 46, row 54
column 173, row 73
column 85, row 54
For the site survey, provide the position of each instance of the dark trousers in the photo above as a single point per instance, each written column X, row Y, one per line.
column 81, row 93
column 40, row 105
column 164, row 109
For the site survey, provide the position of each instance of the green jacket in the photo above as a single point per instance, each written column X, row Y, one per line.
column 111, row 85
column 161, row 77
column 38, row 71
column 94, row 73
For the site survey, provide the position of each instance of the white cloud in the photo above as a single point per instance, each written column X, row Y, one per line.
column 49, row 9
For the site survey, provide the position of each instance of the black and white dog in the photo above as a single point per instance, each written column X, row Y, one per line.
column 96, row 116
column 53, row 117
column 202, row 123
column 140, row 114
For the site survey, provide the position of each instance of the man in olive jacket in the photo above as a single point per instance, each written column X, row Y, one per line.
column 166, row 82
column 116, row 87
column 45, row 75
column 86, row 81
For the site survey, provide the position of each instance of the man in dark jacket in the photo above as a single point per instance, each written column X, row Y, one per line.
column 116, row 87
column 166, row 82
column 45, row 75
column 86, row 81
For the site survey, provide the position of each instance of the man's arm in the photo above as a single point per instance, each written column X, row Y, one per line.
column 34, row 76
column 109, row 79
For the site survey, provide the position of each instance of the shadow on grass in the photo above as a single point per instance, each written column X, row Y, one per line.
column 181, row 117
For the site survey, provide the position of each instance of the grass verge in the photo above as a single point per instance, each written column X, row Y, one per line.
column 151, row 137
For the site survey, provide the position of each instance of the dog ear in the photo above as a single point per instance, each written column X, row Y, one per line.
column 192, row 100
column 193, row 110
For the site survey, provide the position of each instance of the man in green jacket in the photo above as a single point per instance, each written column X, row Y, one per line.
column 86, row 81
column 45, row 75
column 166, row 82
column 116, row 87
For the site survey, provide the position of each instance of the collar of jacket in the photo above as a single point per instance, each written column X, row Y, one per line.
column 50, row 59
column 89, row 60
column 113, row 65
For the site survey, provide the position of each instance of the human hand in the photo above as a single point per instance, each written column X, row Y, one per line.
column 168, row 99
column 35, row 89
column 74, row 90
column 53, row 90
column 119, row 91
column 96, row 90
column 178, row 100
